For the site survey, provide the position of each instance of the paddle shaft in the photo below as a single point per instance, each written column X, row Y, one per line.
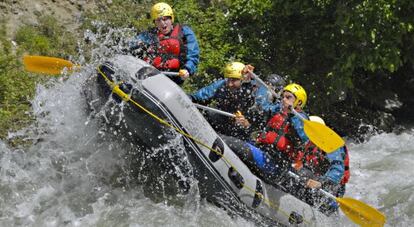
column 170, row 73
column 214, row 110
column 297, row 114
column 54, row 66
column 257, row 78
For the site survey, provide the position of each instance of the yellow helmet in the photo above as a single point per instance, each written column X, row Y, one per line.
column 317, row 119
column 299, row 93
column 234, row 70
column 161, row 10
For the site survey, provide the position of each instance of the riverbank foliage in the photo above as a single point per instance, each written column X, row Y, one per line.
column 48, row 38
column 353, row 58
column 16, row 89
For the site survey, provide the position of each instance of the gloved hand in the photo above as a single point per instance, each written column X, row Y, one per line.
column 183, row 73
column 313, row 184
column 241, row 120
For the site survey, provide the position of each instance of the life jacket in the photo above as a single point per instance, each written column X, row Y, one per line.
column 231, row 101
column 315, row 159
column 241, row 99
column 347, row 173
column 170, row 50
column 275, row 134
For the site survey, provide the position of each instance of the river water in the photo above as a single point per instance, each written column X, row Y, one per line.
column 75, row 174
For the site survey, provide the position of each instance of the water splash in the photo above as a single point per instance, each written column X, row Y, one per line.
column 382, row 171
column 82, row 172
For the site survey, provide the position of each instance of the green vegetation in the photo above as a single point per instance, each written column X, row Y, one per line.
column 120, row 14
column 350, row 57
column 17, row 86
column 49, row 38
column 16, row 89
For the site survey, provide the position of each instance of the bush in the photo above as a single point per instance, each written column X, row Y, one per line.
column 47, row 38
column 16, row 93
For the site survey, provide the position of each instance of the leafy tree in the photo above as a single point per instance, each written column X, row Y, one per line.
column 335, row 49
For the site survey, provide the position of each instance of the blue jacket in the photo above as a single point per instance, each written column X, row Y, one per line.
column 150, row 38
column 298, row 125
column 337, row 167
column 244, row 99
column 210, row 92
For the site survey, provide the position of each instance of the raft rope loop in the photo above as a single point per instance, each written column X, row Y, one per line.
column 127, row 98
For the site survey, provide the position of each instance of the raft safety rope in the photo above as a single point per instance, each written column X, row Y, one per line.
column 127, row 98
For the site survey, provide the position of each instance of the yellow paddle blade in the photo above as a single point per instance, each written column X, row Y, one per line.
column 322, row 136
column 47, row 65
column 361, row 213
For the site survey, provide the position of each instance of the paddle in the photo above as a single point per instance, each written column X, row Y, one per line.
column 321, row 135
column 55, row 66
column 358, row 211
column 47, row 65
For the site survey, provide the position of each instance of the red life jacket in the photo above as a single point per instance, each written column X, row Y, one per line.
column 170, row 50
column 313, row 158
column 316, row 160
column 275, row 134
column 347, row 173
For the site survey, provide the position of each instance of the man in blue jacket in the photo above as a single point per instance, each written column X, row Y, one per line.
column 236, row 93
column 168, row 46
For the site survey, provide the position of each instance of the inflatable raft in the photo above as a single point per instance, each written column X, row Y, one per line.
column 153, row 109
